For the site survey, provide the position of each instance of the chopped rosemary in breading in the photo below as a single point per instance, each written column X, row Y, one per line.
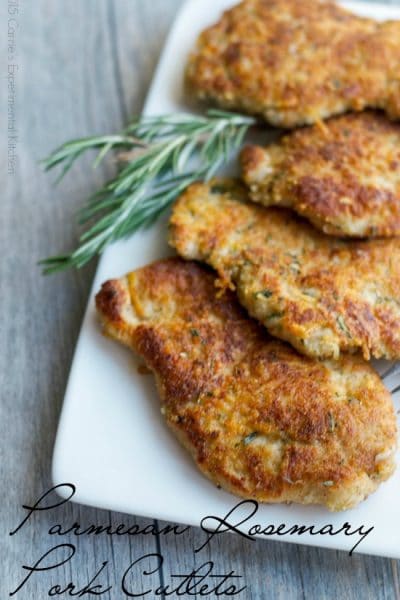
column 342, row 324
column 275, row 315
column 249, row 438
column 264, row 293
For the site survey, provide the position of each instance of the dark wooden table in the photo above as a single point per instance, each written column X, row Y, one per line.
column 83, row 68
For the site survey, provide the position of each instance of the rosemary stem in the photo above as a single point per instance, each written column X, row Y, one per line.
column 162, row 156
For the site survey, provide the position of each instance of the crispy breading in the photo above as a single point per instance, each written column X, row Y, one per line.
column 344, row 177
column 259, row 419
column 295, row 62
column 322, row 294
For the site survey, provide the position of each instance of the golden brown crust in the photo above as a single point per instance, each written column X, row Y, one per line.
column 321, row 294
column 259, row 419
column 297, row 62
column 344, row 177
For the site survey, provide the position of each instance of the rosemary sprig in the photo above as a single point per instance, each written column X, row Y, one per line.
column 161, row 156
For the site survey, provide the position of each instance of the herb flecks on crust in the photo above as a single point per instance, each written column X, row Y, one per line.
column 344, row 177
column 296, row 62
column 259, row 419
column 322, row 294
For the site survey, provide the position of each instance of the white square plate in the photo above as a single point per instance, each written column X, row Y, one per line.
column 112, row 442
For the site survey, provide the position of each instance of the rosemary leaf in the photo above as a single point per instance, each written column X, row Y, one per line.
column 159, row 157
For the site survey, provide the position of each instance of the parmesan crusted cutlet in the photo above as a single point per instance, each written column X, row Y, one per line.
column 297, row 61
column 259, row 419
column 321, row 294
column 344, row 177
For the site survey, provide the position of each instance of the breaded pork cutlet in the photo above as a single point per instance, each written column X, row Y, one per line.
column 344, row 177
column 321, row 294
column 259, row 419
column 297, row 61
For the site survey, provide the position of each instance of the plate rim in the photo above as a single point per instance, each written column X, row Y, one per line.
column 166, row 515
